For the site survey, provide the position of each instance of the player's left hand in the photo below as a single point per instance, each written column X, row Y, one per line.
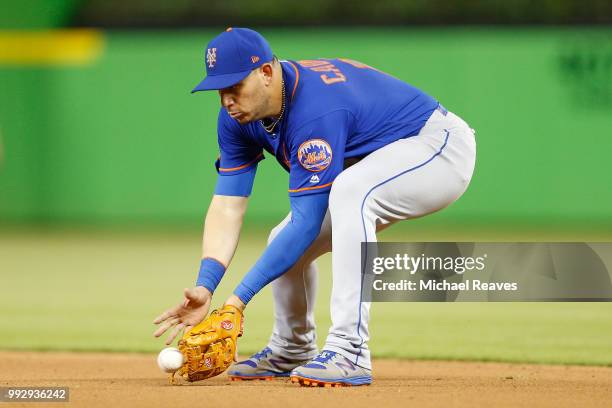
column 185, row 315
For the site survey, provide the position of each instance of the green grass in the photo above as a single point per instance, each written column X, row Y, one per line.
column 100, row 291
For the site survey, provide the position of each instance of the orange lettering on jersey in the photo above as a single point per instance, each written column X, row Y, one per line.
column 332, row 80
column 323, row 68
column 312, row 63
column 334, row 76
column 354, row 63
column 358, row 64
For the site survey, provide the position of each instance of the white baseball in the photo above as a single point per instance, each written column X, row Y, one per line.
column 170, row 359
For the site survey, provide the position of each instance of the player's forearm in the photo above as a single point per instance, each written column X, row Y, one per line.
column 221, row 233
column 222, row 227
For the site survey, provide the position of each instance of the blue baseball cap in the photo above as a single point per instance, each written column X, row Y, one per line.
column 231, row 56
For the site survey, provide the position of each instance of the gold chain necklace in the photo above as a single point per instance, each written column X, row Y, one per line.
column 270, row 128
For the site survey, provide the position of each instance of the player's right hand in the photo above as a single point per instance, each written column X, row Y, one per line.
column 186, row 314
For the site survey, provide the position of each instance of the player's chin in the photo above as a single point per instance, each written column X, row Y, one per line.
column 243, row 118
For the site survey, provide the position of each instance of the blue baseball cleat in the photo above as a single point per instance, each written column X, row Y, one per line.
column 330, row 369
column 263, row 366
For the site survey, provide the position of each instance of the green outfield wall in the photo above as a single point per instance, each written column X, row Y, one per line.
column 113, row 135
column 36, row 14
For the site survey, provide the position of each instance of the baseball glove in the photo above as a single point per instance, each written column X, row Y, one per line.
column 209, row 348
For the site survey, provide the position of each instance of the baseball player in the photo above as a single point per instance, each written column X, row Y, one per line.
column 363, row 150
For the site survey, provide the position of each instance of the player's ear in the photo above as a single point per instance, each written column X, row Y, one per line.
column 267, row 71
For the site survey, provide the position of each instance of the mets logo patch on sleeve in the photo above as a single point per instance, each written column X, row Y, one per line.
column 315, row 155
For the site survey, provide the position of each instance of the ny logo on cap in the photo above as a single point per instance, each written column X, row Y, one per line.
column 211, row 57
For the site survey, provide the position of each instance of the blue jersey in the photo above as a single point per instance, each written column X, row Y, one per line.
column 336, row 109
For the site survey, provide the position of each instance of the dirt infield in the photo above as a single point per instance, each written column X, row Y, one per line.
column 133, row 380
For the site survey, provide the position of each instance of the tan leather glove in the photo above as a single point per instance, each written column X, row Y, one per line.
column 209, row 348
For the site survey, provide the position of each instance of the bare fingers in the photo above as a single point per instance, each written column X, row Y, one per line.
column 168, row 313
column 167, row 324
column 174, row 333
